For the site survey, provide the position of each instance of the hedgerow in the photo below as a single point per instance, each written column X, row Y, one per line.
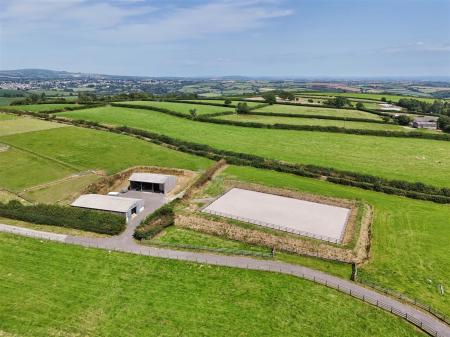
column 64, row 216
column 416, row 190
column 163, row 217
column 334, row 129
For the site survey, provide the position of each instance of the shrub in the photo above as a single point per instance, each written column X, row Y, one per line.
column 161, row 218
column 64, row 216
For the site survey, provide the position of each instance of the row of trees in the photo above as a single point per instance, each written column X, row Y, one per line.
column 437, row 107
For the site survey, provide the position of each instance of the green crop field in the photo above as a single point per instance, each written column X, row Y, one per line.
column 306, row 110
column 408, row 159
column 312, row 121
column 38, row 107
column 409, row 251
column 51, row 289
column 202, row 109
column 10, row 124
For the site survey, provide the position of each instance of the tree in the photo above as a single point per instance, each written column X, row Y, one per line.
column 403, row 119
column 310, row 100
column 383, row 99
column 86, row 97
column 227, row 101
column 338, row 102
column 286, row 95
column 444, row 123
column 242, row 108
column 360, row 106
column 270, row 97
column 193, row 113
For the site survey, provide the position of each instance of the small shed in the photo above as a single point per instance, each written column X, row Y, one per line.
column 152, row 182
column 125, row 206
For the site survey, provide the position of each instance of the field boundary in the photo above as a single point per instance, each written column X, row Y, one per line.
column 279, row 126
column 416, row 190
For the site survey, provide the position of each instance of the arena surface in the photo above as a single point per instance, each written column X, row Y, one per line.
column 301, row 217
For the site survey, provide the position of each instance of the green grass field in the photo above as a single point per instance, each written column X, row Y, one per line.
column 91, row 149
column 10, row 125
column 312, row 121
column 202, row 109
column 60, row 192
column 218, row 101
column 7, row 100
column 49, row 151
column 175, row 235
column 393, row 158
column 371, row 96
column 409, row 251
column 20, row 169
column 306, row 110
column 50, row 289
column 38, row 107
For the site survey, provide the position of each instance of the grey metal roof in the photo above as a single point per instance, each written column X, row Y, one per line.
column 106, row 202
column 149, row 178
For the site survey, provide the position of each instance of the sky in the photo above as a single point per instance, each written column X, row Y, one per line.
column 285, row 38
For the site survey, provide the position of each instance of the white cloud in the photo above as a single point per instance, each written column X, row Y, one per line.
column 133, row 21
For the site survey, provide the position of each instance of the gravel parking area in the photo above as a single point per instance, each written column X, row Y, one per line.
column 301, row 217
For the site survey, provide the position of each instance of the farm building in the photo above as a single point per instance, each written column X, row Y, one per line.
column 125, row 206
column 425, row 122
column 151, row 182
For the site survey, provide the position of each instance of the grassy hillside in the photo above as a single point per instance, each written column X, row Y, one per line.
column 409, row 251
column 393, row 158
column 202, row 109
column 306, row 110
column 49, row 289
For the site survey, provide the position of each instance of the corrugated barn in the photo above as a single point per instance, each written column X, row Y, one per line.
column 151, row 182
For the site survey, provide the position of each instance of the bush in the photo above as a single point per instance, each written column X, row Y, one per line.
column 161, row 218
column 63, row 216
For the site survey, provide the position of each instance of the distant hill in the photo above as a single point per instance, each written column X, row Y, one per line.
column 45, row 74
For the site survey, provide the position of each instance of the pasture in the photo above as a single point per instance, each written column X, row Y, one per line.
column 312, row 121
column 221, row 101
column 10, row 124
column 7, row 100
column 306, row 110
column 368, row 96
column 409, row 251
column 20, row 169
column 90, row 149
column 184, row 108
column 39, row 107
column 89, row 292
column 409, row 159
